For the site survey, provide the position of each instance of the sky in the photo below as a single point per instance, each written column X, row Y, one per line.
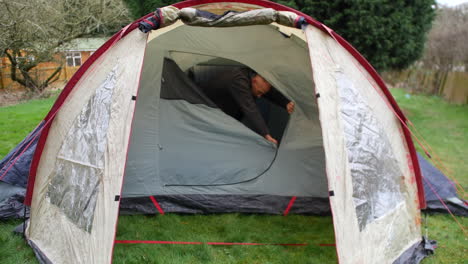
column 451, row 2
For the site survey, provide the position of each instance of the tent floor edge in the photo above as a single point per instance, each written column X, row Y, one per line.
column 208, row 204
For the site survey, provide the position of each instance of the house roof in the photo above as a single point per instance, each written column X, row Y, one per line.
column 85, row 44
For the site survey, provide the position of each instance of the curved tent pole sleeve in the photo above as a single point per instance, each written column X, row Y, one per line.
column 290, row 204
column 156, row 204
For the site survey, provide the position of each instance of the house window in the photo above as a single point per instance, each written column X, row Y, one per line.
column 73, row 59
column 22, row 60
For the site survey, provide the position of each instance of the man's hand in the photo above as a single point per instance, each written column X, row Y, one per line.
column 290, row 107
column 271, row 139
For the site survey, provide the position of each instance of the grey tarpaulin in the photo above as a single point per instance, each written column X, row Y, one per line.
column 12, row 206
column 21, row 156
column 14, row 168
column 416, row 253
column 434, row 180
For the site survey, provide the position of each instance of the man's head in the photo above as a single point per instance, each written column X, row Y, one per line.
column 259, row 86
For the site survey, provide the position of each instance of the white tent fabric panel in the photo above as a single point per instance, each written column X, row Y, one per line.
column 399, row 225
column 111, row 81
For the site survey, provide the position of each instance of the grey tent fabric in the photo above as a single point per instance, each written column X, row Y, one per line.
column 7, row 190
column 434, row 180
column 14, row 169
column 13, row 207
column 177, row 86
column 184, row 148
column 298, row 168
column 21, row 156
column 11, row 201
column 208, row 204
column 416, row 253
column 188, row 162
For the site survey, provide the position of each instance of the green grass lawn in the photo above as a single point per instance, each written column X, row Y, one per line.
column 18, row 120
column 226, row 228
column 443, row 125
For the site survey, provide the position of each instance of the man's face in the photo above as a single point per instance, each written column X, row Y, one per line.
column 260, row 86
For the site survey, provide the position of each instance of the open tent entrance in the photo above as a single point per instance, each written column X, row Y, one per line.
column 196, row 159
column 188, row 156
column 208, row 67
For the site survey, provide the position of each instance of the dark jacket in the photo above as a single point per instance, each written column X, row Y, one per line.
column 231, row 91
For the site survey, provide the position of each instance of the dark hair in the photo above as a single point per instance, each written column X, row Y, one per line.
column 252, row 73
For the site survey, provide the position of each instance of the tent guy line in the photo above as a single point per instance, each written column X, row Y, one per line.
column 445, row 205
column 439, row 163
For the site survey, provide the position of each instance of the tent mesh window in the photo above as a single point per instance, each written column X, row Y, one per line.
column 80, row 163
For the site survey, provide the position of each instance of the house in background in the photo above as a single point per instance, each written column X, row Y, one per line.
column 71, row 56
column 76, row 52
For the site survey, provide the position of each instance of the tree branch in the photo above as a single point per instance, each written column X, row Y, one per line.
column 51, row 77
column 13, row 65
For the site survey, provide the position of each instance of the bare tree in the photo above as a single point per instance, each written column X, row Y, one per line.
column 32, row 31
column 446, row 48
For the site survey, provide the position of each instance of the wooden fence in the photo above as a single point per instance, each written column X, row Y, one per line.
column 41, row 72
column 453, row 86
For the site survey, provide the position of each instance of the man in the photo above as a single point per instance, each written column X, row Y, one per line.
column 235, row 92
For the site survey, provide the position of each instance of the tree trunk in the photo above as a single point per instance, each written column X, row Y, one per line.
column 30, row 81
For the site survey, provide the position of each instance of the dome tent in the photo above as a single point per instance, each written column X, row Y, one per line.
column 132, row 124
